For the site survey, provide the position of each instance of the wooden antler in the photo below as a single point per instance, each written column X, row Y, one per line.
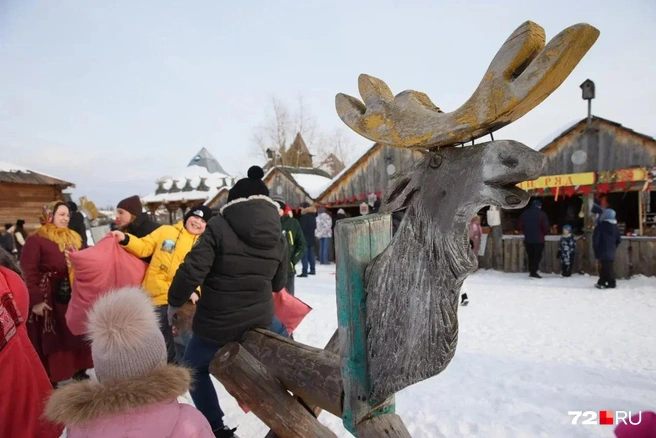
column 522, row 74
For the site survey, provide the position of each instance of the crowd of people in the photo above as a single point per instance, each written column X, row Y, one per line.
column 227, row 266
column 606, row 238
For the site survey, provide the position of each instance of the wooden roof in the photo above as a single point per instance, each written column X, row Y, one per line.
column 580, row 126
column 14, row 174
column 289, row 173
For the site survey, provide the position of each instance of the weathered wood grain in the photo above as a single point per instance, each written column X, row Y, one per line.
column 359, row 240
column 419, row 275
column 621, row 264
column 310, row 373
column 523, row 73
column 647, row 258
column 247, row 380
column 387, row 425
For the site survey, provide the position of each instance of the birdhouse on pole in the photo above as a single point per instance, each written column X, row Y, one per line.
column 588, row 93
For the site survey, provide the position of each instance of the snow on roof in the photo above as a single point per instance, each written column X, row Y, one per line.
column 312, row 184
column 193, row 174
column 554, row 135
column 16, row 169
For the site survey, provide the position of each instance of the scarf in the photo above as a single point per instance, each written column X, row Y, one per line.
column 66, row 239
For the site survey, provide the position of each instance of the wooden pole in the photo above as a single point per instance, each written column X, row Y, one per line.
column 332, row 347
column 310, row 373
column 641, row 214
column 248, row 381
column 387, row 425
column 358, row 241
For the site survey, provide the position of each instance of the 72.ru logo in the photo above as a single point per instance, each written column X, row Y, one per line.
column 605, row 417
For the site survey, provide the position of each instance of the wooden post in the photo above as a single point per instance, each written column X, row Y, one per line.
column 248, row 381
column 332, row 347
column 382, row 426
column 589, row 261
column 641, row 211
column 358, row 241
column 309, row 373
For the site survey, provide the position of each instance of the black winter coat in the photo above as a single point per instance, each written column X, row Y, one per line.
column 296, row 243
column 605, row 240
column 142, row 226
column 308, row 222
column 76, row 224
column 238, row 261
column 534, row 224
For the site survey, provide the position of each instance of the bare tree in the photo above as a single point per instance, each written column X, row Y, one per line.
column 334, row 151
column 273, row 137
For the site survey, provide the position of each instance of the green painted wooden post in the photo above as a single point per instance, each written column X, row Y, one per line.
column 357, row 241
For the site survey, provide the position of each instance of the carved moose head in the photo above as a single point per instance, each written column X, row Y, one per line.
column 413, row 286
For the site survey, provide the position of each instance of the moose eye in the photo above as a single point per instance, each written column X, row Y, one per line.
column 508, row 160
column 435, row 161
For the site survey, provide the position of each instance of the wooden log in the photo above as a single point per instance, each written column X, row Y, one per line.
column 248, row 381
column 514, row 255
column 634, row 258
column 507, row 260
column 332, row 347
column 310, row 373
column 358, row 241
column 387, row 425
column 497, row 257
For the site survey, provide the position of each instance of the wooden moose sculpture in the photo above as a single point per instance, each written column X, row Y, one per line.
column 398, row 298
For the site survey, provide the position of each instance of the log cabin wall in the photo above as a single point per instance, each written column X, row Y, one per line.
column 606, row 145
column 218, row 201
column 371, row 173
column 281, row 187
column 25, row 201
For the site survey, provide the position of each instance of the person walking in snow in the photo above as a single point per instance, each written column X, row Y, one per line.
column 566, row 251
column 24, row 386
column 238, row 262
column 309, row 225
column 136, row 392
column 605, row 240
column 324, row 233
column 535, row 226
column 296, row 244
column 20, row 236
column 167, row 245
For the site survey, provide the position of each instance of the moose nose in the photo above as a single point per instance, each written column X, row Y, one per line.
column 509, row 161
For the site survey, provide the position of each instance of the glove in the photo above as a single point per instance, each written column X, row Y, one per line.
column 171, row 313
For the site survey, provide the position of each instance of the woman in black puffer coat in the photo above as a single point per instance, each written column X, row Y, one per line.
column 239, row 260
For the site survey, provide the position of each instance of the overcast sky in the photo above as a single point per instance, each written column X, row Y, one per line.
column 113, row 95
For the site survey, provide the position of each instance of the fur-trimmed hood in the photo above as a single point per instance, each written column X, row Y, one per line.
column 81, row 402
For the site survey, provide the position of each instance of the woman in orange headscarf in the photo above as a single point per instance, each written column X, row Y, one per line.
column 49, row 276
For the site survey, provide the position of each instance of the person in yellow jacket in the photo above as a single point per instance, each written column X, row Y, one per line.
column 168, row 245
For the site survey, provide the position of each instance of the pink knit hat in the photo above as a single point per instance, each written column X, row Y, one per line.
column 125, row 336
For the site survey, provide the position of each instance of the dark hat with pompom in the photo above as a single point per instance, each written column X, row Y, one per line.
column 251, row 186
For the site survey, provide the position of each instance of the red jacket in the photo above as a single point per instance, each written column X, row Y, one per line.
column 24, row 385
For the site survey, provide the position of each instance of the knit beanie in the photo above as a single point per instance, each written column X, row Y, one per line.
column 251, row 186
column 125, row 337
column 202, row 211
column 132, row 205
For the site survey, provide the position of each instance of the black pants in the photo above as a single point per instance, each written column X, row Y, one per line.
column 567, row 270
column 534, row 253
column 167, row 332
column 607, row 274
column 290, row 283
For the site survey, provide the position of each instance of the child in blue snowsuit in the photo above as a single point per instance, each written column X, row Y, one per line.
column 566, row 251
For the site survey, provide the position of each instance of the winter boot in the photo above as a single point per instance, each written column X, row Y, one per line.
column 464, row 300
column 225, row 432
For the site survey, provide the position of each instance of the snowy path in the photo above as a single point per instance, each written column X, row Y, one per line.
column 529, row 351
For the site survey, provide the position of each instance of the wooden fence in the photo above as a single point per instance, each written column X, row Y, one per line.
column 635, row 256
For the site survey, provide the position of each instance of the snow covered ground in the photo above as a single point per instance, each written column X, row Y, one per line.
column 529, row 352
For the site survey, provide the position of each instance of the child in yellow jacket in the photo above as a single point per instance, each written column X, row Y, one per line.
column 168, row 245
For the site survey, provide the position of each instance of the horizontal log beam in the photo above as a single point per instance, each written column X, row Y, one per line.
column 310, row 373
column 382, row 426
column 246, row 379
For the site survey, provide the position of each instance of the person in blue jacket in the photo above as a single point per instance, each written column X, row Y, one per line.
column 605, row 240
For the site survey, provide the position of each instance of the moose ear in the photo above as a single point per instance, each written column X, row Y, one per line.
column 403, row 190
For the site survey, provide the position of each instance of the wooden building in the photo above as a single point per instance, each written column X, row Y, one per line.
column 370, row 174
column 590, row 158
column 199, row 183
column 24, row 193
column 296, row 185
